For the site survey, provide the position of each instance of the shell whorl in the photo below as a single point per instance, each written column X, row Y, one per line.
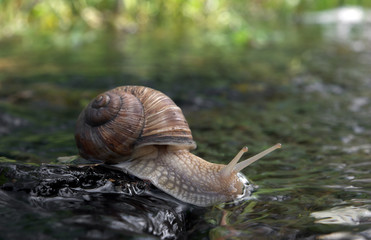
column 126, row 118
column 109, row 126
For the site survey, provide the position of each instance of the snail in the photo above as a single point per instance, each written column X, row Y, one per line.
column 143, row 132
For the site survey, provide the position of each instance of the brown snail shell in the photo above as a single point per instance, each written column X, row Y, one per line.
column 143, row 132
column 120, row 120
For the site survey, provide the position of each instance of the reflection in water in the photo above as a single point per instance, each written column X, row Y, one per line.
column 346, row 236
column 343, row 215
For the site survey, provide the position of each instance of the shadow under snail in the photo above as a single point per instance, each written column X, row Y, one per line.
column 143, row 132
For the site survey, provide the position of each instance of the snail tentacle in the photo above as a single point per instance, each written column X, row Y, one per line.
column 247, row 162
column 227, row 170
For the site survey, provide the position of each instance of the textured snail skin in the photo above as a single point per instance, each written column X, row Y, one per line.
column 184, row 175
column 142, row 131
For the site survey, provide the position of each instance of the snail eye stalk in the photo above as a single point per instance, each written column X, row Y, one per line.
column 227, row 170
column 247, row 162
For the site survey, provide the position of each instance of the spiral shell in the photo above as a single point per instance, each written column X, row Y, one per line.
column 126, row 118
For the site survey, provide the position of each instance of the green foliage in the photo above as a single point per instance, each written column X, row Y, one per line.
column 71, row 22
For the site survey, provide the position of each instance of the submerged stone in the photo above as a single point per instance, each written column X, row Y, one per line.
column 89, row 201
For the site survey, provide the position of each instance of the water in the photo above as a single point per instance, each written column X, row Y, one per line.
column 311, row 94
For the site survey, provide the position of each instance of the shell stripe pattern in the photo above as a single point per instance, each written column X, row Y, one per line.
column 168, row 128
column 125, row 118
column 107, row 129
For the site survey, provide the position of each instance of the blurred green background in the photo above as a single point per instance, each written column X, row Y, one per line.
column 73, row 35
column 57, row 55
column 70, row 24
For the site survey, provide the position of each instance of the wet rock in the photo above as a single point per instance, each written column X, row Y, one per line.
column 90, row 202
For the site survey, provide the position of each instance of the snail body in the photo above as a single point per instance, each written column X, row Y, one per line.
column 142, row 131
